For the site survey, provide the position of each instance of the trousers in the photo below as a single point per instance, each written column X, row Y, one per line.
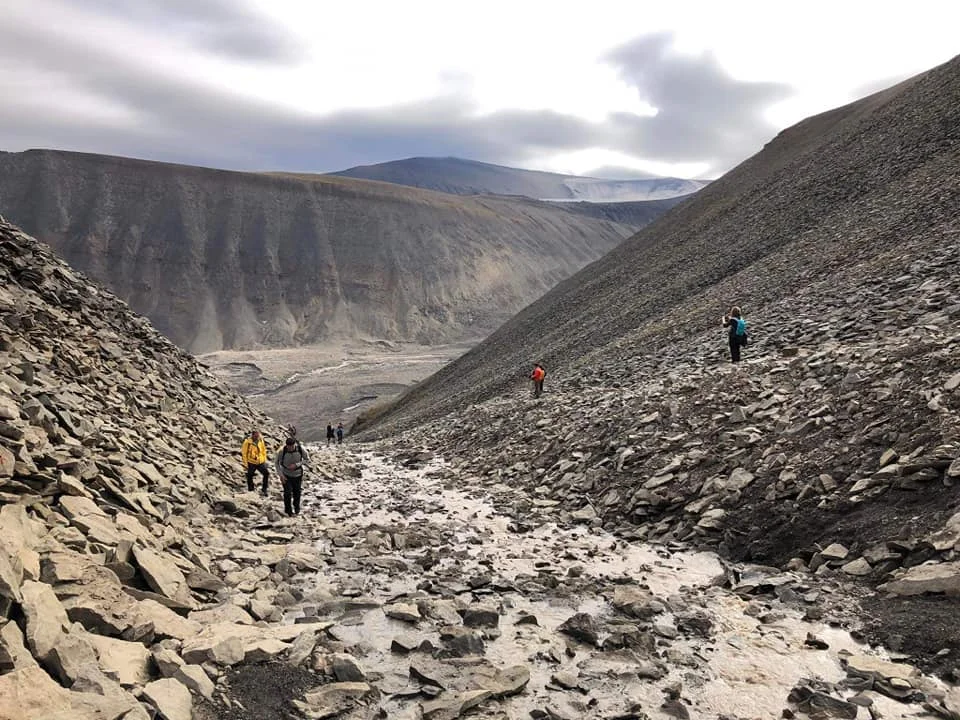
column 291, row 495
column 262, row 469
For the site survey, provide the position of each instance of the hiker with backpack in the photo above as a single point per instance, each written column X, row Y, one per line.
column 538, row 374
column 254, row 454
column 291, row 460
column 738, row 332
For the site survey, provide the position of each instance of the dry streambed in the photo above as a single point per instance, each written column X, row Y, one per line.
column 435, row 604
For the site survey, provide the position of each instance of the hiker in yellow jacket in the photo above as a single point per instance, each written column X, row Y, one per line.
column 254, row 452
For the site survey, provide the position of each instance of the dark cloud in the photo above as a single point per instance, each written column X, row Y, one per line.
column 703, row 115
column 225, row 27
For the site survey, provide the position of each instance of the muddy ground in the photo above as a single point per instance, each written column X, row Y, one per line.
column 448, row 600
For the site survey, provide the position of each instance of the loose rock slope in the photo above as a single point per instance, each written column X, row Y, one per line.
column 835, row 447
column 130, row 570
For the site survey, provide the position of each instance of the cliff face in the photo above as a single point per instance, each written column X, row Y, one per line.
column 221, row 259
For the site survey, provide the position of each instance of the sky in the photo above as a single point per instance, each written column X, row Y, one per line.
column 604, row 88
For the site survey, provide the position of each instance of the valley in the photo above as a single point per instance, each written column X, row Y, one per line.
column 315, row 385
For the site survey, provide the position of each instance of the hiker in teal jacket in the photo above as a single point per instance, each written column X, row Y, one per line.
column 738, row 332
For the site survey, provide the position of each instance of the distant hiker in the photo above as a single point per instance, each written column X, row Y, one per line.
column 291, row 460
column 537, row 376
column 330, row 434
column 254, row 453
column 339, row 433
column 738, row 332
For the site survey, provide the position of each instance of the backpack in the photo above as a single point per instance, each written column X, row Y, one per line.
column 742, row 331
column 296, row 449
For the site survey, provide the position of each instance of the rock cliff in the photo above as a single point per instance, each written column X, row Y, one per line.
column 222, row 260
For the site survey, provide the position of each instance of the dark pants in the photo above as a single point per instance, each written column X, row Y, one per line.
column 291, row 495
column 537, row 388
column 262, row 469
column 339, row 436
column 734, row 348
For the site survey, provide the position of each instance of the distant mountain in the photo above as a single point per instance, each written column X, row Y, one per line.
column 220, row 260
column 469, row 177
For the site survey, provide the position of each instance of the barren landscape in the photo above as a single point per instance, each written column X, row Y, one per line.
column 312, row 386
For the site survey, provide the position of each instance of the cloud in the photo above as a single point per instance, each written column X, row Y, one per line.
column 226, row 27
column 703, row 114
column 75, row 92
column 616, row 172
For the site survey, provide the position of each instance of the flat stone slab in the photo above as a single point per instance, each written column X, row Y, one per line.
column 934, row 578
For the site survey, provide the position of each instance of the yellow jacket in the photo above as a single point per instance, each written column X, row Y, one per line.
column 254, row 453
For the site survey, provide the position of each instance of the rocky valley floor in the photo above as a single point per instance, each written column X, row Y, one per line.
column 434, row 600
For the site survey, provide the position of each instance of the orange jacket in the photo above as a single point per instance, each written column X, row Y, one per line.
column 538, row 374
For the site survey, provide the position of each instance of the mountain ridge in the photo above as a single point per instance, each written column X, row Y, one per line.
column 224, row 259
column 460, row 176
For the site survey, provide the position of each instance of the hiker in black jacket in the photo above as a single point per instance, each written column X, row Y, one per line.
column 738, row 332
column 291, row 459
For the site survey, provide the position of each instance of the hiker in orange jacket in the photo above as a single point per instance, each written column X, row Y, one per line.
column 537, row 376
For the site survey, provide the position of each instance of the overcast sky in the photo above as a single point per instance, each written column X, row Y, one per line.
column 606, row 88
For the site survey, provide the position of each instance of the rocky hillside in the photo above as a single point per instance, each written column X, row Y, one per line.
column 130, row 570
column 470, row 177
column 223, row 260
column 834, row 447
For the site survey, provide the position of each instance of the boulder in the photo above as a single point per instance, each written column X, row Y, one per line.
column 218, row 649
column 224, row 613
column 834, row 552
column 929, row 578
column 637, row 603
column 302, row 647
column 13, row 650
column 587, row 515
column 858, row 567
column 163, row 575
column 195, row 679
column 407, row 612
column 171, row 699
column 167, row 661
column 126, row 662
column 346, row 668
column 583, row 627
column 738, row 480
column 31, row 694
column 11, row 576
column 101, row 605
column 45, row 618
column 480, row 616
column 869, row 665
column 461, row 641
column 70, row 653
